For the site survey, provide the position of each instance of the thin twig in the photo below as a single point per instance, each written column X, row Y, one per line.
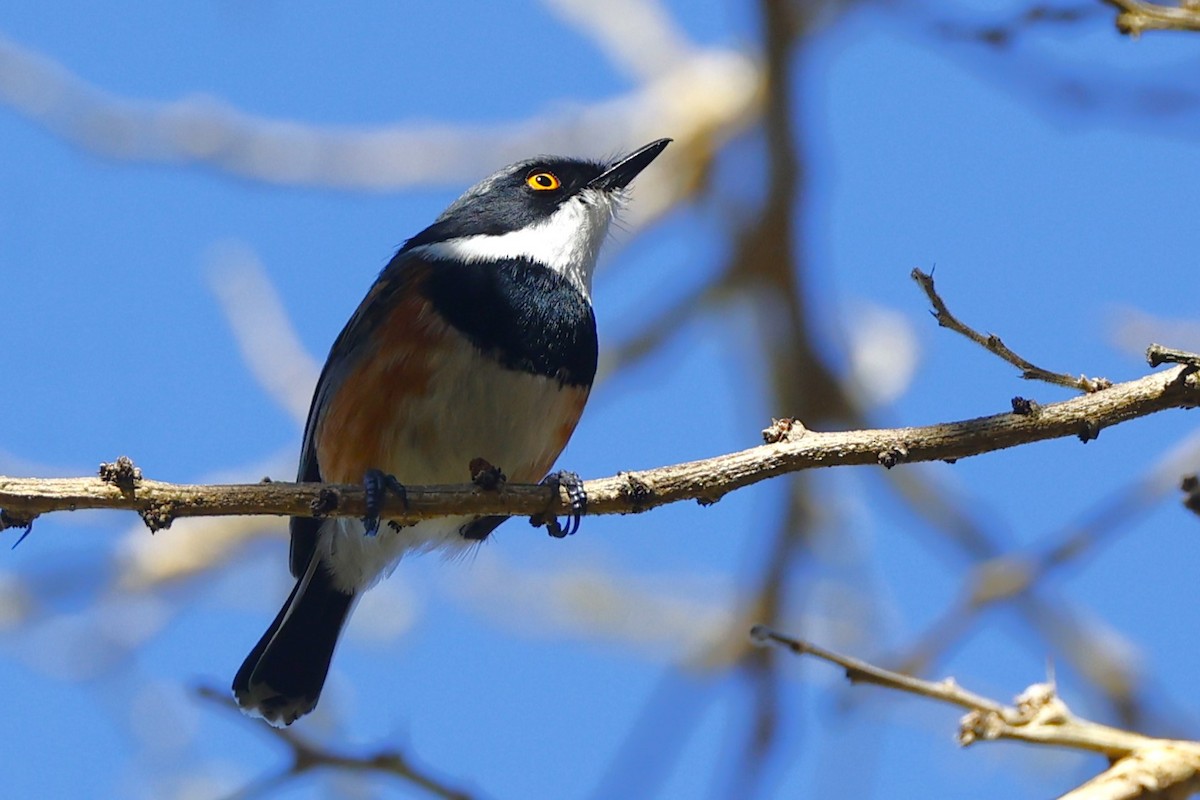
column 992, row 344
column 858, row 671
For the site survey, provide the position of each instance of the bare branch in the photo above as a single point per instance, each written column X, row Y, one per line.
column 992, row 344
column 789, row 448
column 1145, row 766
column 307, row 756
column 1137, row 16
column 1001, row 575
column 1164, row 771
column 266, row 337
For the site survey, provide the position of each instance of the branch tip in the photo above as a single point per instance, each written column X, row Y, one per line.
column 761, row 636
column 1157, row 355
column 995, row 345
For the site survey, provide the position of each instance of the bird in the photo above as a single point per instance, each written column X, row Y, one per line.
column 476, row 341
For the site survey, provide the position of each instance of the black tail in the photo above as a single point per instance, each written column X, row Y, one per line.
column 282, row 677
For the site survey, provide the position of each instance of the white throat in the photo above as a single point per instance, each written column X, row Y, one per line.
column 568, row 241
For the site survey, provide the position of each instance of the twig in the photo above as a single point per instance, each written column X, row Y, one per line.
column 1150, row 767
column 1137, row 16
column 1013, row 577
column 706, row 480
column 858, row 671
column 767, row 260
column 992, row 344
column 1157, row 355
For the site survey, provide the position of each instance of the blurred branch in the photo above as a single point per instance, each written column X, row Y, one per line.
column 662, row 612
column 992, row 344
column 1014, row 579
column 1144, row 766
column 1002, row 34
column 1043, row 70
column 790, row 448
column 144, row 564
column 638, row 36
column 701, row 101
column 655, row 333
column 1137, row 16
column 1134, row 327
column 269, row 343
column 307, row 756
column 1190, row 486
column 766, row 272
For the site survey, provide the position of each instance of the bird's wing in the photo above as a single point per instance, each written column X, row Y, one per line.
column 351, row 344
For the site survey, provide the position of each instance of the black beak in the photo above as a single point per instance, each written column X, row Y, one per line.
column 621, row 173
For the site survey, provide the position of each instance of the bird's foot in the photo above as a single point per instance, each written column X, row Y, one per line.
column 574, row 486
column 376, row 484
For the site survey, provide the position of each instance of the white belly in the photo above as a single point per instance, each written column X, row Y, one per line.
column 474, row 408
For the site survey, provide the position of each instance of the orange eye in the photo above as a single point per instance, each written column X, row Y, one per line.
column 543, row 181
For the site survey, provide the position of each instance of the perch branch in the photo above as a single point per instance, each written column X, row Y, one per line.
column 789, row 448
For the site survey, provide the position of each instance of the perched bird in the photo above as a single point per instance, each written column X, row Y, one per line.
column 477, row 340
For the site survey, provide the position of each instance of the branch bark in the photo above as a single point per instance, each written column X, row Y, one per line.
column 1143, row 767
column 1138, row 15
column 789, row 448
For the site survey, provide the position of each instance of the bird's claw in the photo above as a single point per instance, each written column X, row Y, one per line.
column 575, row 492
column 376, row 484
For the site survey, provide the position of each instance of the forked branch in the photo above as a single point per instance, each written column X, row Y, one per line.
column 1142, row 766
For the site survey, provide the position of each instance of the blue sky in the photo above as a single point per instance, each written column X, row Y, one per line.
column 541, row 668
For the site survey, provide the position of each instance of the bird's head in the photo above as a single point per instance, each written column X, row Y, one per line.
column 551, row 210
